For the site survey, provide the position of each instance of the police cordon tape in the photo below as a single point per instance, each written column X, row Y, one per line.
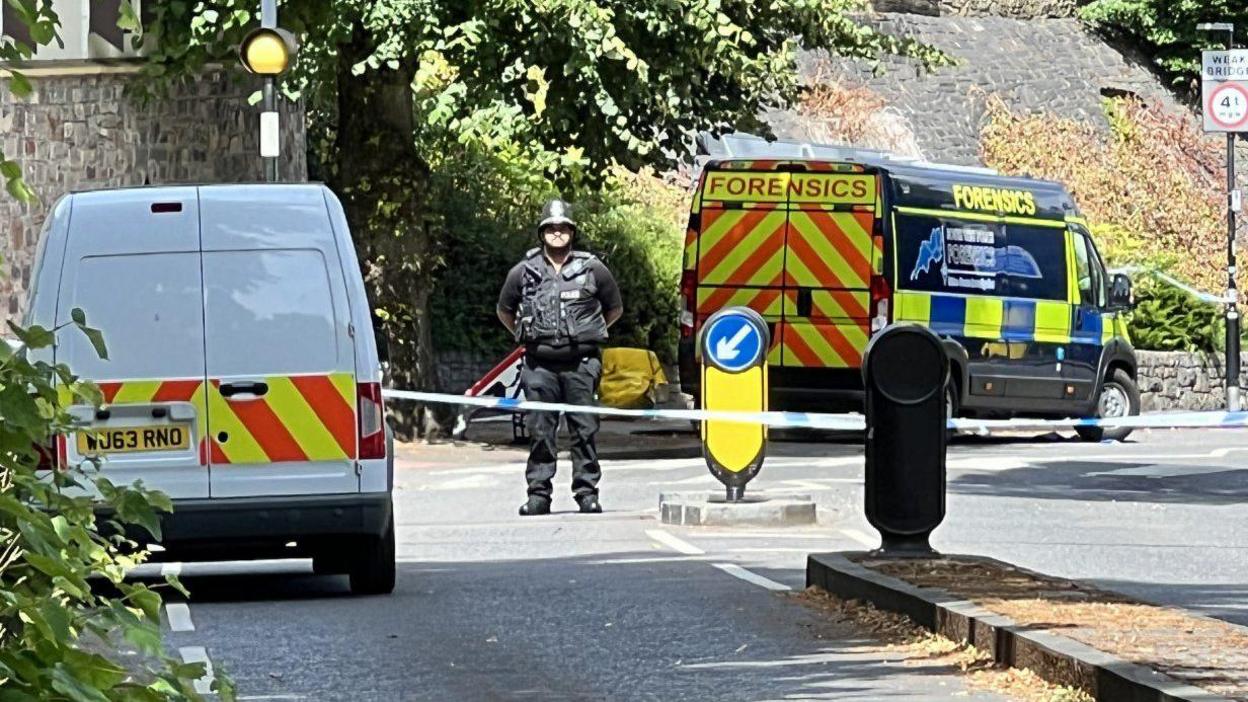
column 841, row 422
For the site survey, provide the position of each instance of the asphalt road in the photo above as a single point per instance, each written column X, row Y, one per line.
column 491, row 606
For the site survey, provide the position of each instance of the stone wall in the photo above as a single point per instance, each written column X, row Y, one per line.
column 1018, row 9
column 1184, row 381
column 458, row 370
column 80, row 131
column 1053, row 65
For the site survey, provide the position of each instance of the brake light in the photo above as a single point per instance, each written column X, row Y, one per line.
column 880, row 294
column 688, row 294
column 372, row 421
column 51, row 455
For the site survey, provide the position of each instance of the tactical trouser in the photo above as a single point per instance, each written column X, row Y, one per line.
column 572, row 382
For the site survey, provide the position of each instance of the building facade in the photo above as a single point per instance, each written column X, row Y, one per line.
column 83, row 129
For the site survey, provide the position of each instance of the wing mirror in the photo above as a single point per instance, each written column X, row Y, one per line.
column 1120, row 292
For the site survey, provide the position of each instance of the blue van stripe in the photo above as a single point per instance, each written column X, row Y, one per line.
column 948, row 315
column 1019, row 321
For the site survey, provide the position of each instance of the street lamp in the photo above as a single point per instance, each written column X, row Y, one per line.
column 1232, row 205
column 268, row 52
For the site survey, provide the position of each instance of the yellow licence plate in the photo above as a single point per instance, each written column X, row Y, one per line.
column 172, row 437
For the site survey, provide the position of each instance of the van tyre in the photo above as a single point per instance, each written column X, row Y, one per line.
column 373, row 572
column 331, row 561
column 951, row 407
column 1120, row 397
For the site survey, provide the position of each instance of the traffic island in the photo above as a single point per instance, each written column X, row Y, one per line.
column 711, row 509
column 1110, row 646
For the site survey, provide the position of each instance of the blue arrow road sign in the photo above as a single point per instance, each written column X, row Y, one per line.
column 733, row 342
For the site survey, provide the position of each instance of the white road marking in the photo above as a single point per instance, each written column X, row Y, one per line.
column 271, row 697
column 808, row 484
column 708, row 479
column 470, row 482
column 766, row 535
column 988, row 463
column 179, row 616
column 860, row 537
column 776, row 549
column 674, row 543
column 737, row 571
column 198, row 654
column 1110, row 457
column 657, row 559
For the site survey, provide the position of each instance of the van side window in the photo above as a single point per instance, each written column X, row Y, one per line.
column 950, row 255
column 1100, row 280
column 1089, row 272
column 1037, row 262
column 1083, row 270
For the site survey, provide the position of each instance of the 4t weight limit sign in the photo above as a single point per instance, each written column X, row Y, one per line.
column 1227, row 107
column 1224, row 90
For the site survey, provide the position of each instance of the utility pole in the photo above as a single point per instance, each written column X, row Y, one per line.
column 1224, row 89
column 268, row 114
column 268, row 52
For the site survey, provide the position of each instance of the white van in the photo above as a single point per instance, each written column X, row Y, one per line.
column 242, row 377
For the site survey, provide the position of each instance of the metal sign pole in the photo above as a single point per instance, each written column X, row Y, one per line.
column 268, row 119
column 1232, row 294
column 1224, row 99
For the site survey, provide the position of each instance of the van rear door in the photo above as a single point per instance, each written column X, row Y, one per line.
column 132, row 263
column 740, row 243
column 280, row 359
column 829, row 255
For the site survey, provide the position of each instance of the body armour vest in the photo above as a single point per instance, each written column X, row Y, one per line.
column 560, row 309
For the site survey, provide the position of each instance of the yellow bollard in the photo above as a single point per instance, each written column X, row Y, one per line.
column 734, row 347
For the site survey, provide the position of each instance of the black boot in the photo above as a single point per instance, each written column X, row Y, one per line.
column 589, row 504
column 535, row 506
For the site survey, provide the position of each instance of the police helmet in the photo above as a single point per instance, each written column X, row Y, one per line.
column 556, row 211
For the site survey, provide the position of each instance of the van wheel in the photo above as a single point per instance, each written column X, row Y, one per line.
column 951, row 408
column 1119, row 398
column 331, row 561
column 373, row 570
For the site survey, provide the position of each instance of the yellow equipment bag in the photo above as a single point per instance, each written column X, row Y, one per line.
column 630, row 378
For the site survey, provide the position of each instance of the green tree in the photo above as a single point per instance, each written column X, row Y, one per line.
column 67, row 610
column 1166, row 30
column 68, row 613
column 564, row 87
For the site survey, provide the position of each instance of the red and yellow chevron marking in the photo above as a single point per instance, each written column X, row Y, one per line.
column 741, row 247
column 300, row 418
column 829, row 249
column 767, row 301
column 824, row 345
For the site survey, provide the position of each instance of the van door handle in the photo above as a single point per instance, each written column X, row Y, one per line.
column 805, row 302
column 244, row 388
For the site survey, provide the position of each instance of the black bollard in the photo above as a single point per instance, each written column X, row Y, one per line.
column 905, row 370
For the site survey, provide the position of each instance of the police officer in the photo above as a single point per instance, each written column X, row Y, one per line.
column 559, row 303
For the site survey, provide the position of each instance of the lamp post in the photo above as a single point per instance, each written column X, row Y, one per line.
column 268, row 52
column 1232, row 206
